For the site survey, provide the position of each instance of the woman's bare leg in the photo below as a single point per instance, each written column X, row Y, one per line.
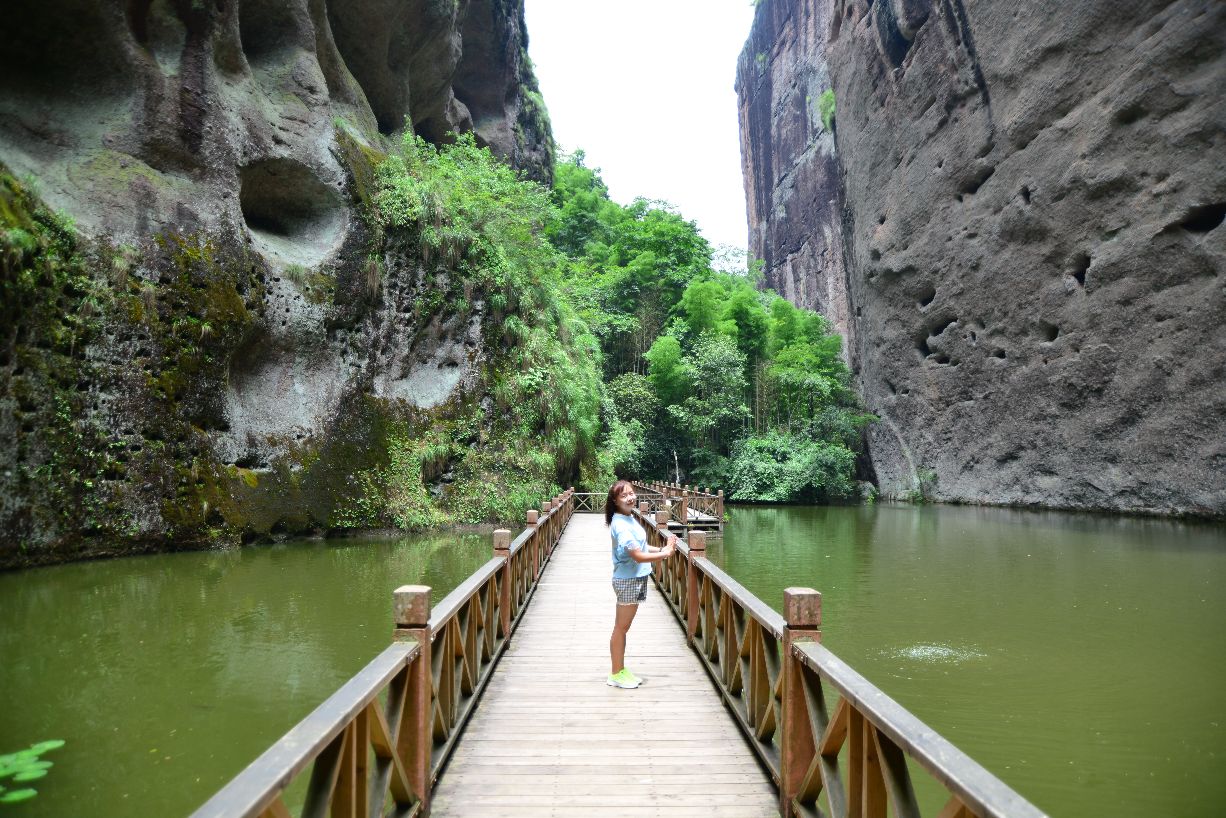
column 617, row 642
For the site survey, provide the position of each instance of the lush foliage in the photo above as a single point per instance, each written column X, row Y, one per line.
column 705, row 373
column 483, row 228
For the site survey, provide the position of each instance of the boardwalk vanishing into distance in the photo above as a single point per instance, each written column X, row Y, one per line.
column 493, row 702
column 553, row 739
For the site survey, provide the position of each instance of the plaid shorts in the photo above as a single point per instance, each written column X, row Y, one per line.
column 630, row 591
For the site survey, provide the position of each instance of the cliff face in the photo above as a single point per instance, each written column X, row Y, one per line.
column 225, row 343
column 1031, row 238
column 792, row 182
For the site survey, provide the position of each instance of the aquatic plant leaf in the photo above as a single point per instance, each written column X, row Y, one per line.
column 50, row 744
column 29, row 775
column 17, row 795
column 40, row 765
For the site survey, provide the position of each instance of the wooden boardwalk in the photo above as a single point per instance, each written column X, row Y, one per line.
column 550, row 738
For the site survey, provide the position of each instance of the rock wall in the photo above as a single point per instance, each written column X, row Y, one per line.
column 211, row 339
column 1032, row 239
column 792, row 181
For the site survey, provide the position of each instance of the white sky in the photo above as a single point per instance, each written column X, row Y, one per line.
column 644, row 87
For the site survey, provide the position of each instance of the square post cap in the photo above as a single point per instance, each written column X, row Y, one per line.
column 502, row 539
column 697, row 541
column 661, row 518
column 644, row 506
column 802, row 608
column 533, row 515
column 411, row 606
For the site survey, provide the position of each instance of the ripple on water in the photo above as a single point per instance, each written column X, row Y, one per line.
column 936, row 653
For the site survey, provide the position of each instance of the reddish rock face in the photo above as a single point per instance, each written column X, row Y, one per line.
column 1030, row 232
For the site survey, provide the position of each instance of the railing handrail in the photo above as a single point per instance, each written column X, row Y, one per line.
column 449, row 605
column 259, row 784
column 773, row 703
column 680, row 488
column 764, row 614
column 983, row 792
column 434, row 673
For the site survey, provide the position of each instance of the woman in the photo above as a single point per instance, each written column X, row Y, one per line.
column 632, row 558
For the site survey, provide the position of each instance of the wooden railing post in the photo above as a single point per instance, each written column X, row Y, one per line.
column 535, row 539
column 415, row 740
column 802, row 611
column 502, row 545
column 685, row 508
column 697, row 542
column 546, row 530
column 720, row 506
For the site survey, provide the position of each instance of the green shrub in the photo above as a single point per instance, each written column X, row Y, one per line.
column 825, row 107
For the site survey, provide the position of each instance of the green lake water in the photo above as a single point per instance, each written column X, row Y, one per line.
column 1079, row 658
column 168, row 674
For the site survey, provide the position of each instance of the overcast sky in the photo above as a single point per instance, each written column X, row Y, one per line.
column 644, row 87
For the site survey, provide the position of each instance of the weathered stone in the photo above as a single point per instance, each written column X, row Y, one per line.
column 251, row 345
column 1030, row 236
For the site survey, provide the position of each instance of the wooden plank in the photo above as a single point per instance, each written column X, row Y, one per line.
column 451, row 807
column 550, row 738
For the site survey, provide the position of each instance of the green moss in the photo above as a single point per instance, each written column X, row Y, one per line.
column 361, row 160
column 150, row 328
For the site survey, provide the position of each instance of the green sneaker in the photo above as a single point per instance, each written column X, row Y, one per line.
column 637, row 679
column 624, row 679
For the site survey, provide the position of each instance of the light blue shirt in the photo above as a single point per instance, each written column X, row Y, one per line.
column 628, row 536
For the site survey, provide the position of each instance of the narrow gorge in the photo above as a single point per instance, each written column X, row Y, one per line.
column 1014, row 217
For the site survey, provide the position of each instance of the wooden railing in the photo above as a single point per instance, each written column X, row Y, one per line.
column 775, row 676
column 389, row 730
column 689, row 505
column 589, row 501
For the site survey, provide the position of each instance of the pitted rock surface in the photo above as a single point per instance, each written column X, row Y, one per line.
column 1031, row 238
column 245, row 134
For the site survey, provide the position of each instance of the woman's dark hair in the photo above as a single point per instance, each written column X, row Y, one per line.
column 616, row 490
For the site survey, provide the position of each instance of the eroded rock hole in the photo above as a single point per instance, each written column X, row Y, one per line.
column 1130, row 114
column 895, row 30
column 1078, row 266
column 1048, row 332
column 972, row 185
column 293, row 216
column 941, row 327
column 1025, row 194
column 64, row 50
column 927, row 295
column 266, row 28
column 1205, row 218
